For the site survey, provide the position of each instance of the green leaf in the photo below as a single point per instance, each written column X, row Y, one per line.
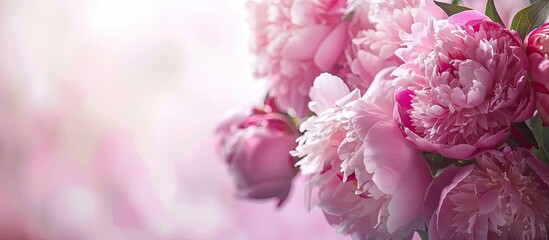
column 542, row 135
column 348, row 16
column 451, row 9
column 533, row 1
column 492, row 12
column 526, row 133
column 463, row 163
column 456, row 2
column 530, row 17
column 437, row 162
column 423, row 234
column 511, row 142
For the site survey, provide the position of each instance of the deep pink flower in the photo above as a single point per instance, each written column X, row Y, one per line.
column 463, row 82
column 256, row 151
column 287, row 36
column 537, row 47
column 502, row 195
column 367, row 178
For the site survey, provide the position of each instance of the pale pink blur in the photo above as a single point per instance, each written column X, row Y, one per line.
column 108, row 110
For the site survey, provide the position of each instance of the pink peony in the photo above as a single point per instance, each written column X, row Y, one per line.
column 287, row 35
column 463, row 82
column 256, row 150
column 537, row 47
column 368, row 180
column 503, row 195
column 374, row 32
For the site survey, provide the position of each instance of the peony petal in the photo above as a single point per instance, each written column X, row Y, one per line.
column 421, row 143
column 382, row 92
column 326, row 91
column 480, row 228
column 527, row 105
column 369, row 62
column 465, row 17
column 405, row 206
column 416, row 236
column 304, row 42
column 231, row 120
column 403, row 104
column 444, row 218
column 460, row 151
column 541, row 169
column 354, row 95
column 332, row 47
column 493, row 141
column 488, row 201
column 303, row 13
column 260, row 163
column 432, row 198
column 383, row 138
column 543, row 107
column 433, row 230
column 428, row 9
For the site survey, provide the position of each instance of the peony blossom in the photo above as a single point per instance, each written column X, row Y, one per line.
column 537, row 47
column 503, row 195
column 256, row 150
column 374, row 30
column 287, row 36
column 463, row 82
column 367, row 178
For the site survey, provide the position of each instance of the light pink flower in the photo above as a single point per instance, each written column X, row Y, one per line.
column 463, row 83
column 287, row 35
column 502, row 195
column 256, row 150
column 537, row 48
column 323, row 133
column 368, row 180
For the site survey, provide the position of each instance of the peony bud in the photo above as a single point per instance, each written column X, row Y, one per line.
column 256, row 149
column 537, row 47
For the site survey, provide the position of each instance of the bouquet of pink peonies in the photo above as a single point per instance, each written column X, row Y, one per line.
column 409, row 118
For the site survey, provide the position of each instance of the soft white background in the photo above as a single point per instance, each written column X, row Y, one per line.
column 152, row 77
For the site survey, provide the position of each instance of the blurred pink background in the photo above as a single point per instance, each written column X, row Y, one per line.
column 107, row 110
